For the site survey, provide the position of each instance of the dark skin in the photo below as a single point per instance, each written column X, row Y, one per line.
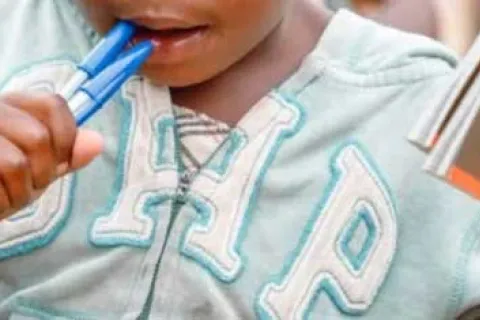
column 39, row 142
column 246, row 39
column 269, row 64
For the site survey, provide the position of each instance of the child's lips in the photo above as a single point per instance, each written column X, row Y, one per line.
column 166, row 36
column 172, row 44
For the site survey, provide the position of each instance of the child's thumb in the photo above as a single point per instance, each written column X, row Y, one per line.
column 88, row 145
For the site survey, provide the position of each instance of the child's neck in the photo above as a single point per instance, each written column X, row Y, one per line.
column 230, row 95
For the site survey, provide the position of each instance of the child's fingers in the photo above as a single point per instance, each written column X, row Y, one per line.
column 38, row 140
column 15, row 177
column 4, row 199
column 54, row 113
column 88, row 145
column 16, row 189
column 4, row 203
column 33, row 139
column 44, row 128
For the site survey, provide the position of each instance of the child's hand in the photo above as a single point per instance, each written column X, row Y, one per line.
column 39, row 142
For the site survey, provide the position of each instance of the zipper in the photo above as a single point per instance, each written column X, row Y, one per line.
column 183, row 187
column 184, row 182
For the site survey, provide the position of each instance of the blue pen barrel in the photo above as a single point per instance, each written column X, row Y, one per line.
column 79, row 78
column 95, row 93
column 100, row 57
column 108, row 49
column 82, row 108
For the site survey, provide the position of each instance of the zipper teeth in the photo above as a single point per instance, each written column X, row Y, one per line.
column 183, row 186
column 184, row 181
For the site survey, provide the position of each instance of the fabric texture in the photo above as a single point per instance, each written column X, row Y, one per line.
column 313, row 206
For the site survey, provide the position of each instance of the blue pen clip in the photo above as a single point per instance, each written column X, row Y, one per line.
column 93, row 94
column 102, row 54
column 104, row 70
column 108, row 48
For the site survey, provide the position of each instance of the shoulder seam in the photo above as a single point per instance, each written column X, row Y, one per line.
column 402, row 75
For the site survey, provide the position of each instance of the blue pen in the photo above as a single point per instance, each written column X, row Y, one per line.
column 104, row 53
column 93, row 94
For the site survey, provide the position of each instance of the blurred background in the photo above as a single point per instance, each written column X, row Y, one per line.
column 454, row 22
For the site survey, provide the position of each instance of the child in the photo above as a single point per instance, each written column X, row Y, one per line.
column 273, row 180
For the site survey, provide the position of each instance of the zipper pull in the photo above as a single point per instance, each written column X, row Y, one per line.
column 183, row 186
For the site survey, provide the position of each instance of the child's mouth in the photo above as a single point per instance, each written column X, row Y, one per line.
column 173, row 44
column 171, row 34
column 168, row 37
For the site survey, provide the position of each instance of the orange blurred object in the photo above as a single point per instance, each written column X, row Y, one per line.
column 367, row 7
